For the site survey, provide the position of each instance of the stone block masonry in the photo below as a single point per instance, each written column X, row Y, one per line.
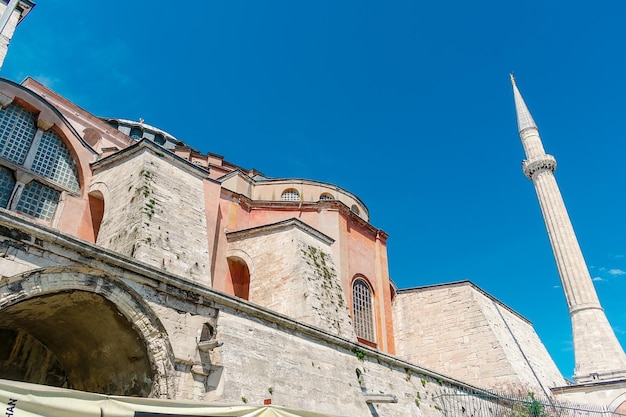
column 258, row 353
column 463, row 332
column 295, row 274
column 145, row 192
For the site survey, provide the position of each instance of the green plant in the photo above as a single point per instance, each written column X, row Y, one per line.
column 423, row 381
column 270, row 390
column 532, row 408
column 359, row 353
column 244, row 399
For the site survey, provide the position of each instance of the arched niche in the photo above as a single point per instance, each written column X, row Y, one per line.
column 239, row 276
column 96, row 211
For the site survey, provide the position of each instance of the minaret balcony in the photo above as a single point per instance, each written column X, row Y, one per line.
column 535, row 165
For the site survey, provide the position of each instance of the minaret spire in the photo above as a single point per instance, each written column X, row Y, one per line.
column 597, row 351
column 524, row 119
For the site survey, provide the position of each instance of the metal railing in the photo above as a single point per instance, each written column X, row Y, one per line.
column 485, row 404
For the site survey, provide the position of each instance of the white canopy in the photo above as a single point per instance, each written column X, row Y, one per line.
column 20, row 399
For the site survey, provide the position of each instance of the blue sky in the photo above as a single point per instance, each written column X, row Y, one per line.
column 407, row 104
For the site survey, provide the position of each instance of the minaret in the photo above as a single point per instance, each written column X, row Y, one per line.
column 11, row 14
column 598, row 354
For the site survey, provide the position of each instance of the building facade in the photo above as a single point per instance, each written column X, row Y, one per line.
column 132, row 264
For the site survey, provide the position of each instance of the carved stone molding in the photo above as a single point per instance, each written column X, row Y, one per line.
column 535, row 165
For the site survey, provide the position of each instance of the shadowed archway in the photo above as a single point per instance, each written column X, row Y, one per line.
column 74, row 330
column 76, row 340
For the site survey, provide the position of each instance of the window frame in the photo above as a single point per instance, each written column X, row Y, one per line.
column 363, row 312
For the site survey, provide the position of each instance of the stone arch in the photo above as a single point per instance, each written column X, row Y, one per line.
column 134, row 356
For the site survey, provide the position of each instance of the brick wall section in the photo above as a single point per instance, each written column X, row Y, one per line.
column 147, row 192
column 462, row 332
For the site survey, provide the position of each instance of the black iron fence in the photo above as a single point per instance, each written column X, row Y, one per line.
column 459, row 404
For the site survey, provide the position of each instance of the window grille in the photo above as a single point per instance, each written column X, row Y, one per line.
column 355, row 209
column 326, row 197
column 136, row 133
column 362, row 310
column 158, row 138
column 17, row 130
column 38, row 201
column 290, row 195
column 7, row 182
column 54, row 161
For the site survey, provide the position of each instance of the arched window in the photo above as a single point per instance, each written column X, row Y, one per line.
column 158, row 138
column 40, row 166
column 355, row 209
column 136, row 133
column 326, row 197
column 362, row 308
column 290, row 194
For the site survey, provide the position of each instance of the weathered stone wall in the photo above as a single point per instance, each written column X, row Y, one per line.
column 611, row 395
column 461, row 331
column 262, row 361
column 294, row 274
column 148, row 193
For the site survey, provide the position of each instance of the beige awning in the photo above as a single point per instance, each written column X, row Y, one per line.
column 30, row 400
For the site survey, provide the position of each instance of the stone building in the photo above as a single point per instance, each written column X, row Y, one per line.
column 132, row 264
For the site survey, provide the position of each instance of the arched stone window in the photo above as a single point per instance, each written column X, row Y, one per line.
column 326, row 197
column 363, row 310
column 355, row 209
column 35, row 165
column 290, row 194
column 136, row 133
column 158, row 138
